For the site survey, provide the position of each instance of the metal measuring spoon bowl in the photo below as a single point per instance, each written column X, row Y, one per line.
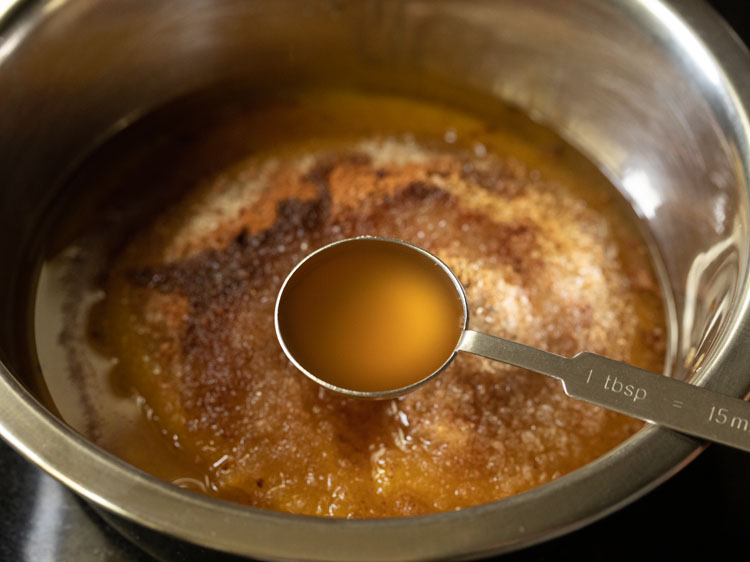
column 371, row 317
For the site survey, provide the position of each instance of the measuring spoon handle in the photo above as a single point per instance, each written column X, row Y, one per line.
column 629, row 390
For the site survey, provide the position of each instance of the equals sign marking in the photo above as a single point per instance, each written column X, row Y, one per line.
column 677, row 403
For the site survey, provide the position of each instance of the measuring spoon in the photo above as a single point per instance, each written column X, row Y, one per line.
column 367, row 304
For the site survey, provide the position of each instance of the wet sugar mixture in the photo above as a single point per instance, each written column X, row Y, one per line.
column 170, row 343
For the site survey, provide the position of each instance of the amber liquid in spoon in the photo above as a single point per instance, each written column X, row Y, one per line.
column 370, row 317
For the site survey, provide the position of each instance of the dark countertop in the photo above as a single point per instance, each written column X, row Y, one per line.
column 702, row 513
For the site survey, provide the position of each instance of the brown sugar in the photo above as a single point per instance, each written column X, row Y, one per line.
column 188, row 317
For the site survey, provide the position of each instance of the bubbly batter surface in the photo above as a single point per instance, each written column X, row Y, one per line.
column 185, row 320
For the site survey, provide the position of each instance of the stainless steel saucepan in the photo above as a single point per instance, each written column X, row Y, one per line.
column 654, row 92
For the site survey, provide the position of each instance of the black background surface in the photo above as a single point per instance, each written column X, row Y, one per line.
column 702, row 513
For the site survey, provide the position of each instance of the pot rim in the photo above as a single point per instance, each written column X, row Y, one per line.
column 567, row 503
